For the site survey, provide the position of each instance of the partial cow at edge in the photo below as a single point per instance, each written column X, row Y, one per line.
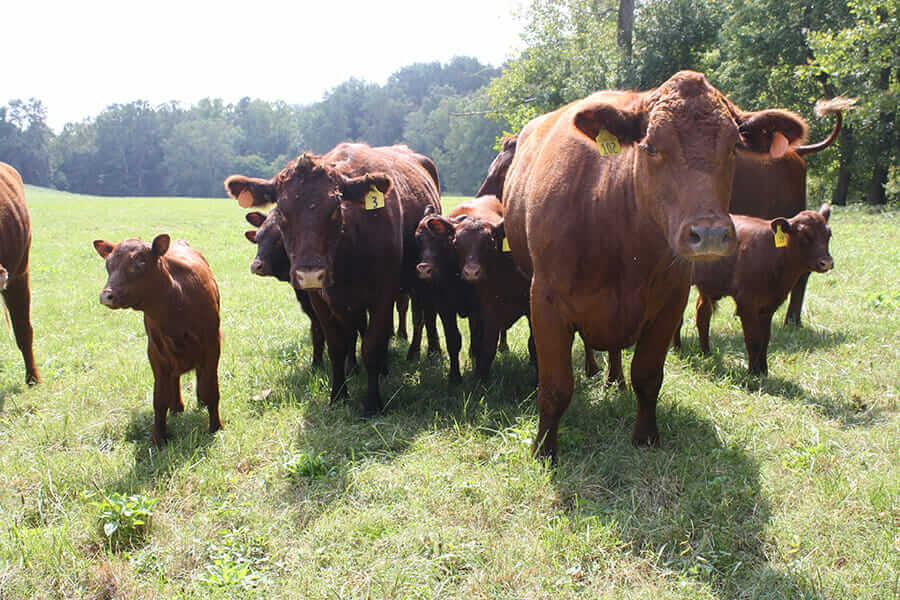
column 15, row 247
column 771, row 257
column 174, row 288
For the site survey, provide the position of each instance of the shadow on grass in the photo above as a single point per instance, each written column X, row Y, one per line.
column 723, row 364
column 693, row 508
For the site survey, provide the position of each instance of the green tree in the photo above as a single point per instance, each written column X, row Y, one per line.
column 25, row 140
column 199, row 154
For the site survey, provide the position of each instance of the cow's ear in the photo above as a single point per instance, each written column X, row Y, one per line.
column 783, row 223
column 250, row 234
column 250, row 191
column 255, row 218
column 160, row 244
column 355, row 189
column 429, row 210
column 772, row 131
column 625, row 124
column 825, row 211
column 103, row 248
column 440, row 226
column 499, row 232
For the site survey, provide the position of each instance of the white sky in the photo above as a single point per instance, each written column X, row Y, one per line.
column 80, row 57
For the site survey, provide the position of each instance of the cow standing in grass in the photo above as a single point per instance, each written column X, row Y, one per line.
column 15, row 246
column 771, row 257
column 175, row 289
column 608, row 201
column 348, row 221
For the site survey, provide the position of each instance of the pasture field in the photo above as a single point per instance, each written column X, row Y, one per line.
column 782, row 487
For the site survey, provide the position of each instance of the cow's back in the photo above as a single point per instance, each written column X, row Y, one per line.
column 15, row 227
column 769, row 188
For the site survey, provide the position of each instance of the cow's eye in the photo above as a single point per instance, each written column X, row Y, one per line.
column 649, row 148
column 136, row 267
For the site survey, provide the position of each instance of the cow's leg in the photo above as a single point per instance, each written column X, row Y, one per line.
column 503, row 346
column 418, row 322
column 704, row 315
column 454, row 340
column 591, row 367
column 315, row 329
column 676, row 339
column 337, row 339
column 792, row 316
column 434, row 340
column 647, row 367
column 476, row 332
column 17, row 296
column 488, row 349
column 165, row 387
column 751, row 323
column 402, row 309
column 208, row 391
column 553, row 343
column 176, row 401
column 375, row 351
column 615, row 376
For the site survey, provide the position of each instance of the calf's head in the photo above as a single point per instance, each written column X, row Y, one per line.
column 135, row 273
column 315, row 201
column 477, row 244
column 682, row 138
column 271, row 258
column 434, row 238
column 808, row 235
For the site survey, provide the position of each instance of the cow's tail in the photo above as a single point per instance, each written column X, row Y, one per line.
column 835, row 107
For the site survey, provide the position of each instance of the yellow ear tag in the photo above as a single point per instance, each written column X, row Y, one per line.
column 505, row 245
column 607, row 143
column 374, row 198
column 780, row 238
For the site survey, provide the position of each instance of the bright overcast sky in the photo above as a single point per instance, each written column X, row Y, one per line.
column 80, row 57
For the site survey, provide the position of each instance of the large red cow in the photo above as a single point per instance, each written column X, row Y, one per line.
column 771, row 256
column 348, row 221
column 15, row 246
column 608, row 202
column 174, row 288
column 768, row 188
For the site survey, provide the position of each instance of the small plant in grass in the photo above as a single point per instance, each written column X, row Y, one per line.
column 306, row 465
column 235, row 560
column 125, row 520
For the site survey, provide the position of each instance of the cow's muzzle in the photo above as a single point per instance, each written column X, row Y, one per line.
column 709, row 241
column 108, row 298
column 425, row 271
column 309, row 279
column 471, row 272
column 825, row 264
column 257, row 267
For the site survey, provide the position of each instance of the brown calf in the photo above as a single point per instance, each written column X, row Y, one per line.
column 15, row 245
column 760, row 275
column 174, row 288
column 608, row 201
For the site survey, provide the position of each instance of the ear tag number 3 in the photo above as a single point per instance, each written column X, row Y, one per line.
column 607, row 143
column 374, row 198
column 780, row 238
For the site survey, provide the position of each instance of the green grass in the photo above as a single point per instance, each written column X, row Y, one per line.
column 783, row 487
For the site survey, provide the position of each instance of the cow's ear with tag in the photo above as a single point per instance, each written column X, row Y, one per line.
column 369, row 190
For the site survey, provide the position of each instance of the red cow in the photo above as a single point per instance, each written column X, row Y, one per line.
column 609, row 200
column 15, row 245
column 348, row 221
column 760, row 275
column 770, row 188
column 174, row 288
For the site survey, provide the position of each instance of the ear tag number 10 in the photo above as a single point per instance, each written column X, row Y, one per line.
column 374, row 198
column 607, row 143
column 780, row 238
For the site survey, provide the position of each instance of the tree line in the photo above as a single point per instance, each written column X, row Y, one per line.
column 762, row 53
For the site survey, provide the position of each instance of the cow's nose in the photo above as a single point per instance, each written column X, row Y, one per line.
column 310, row 279
column 825, row 264
column 425, row 270
column 107, row 298
column 471, row 272
column 714, row 241
column 256, row 267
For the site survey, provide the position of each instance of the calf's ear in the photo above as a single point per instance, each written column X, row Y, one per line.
column 429, row 210
column 103, row 248
column 250, row 191
column 825, row 211
column 160, row 244
column 772, row 131
column 627, row 125
column 250, row 234
column 499, row 232
column 355, row 189
column 255, row 218
column 438, row 225
column 783, row 223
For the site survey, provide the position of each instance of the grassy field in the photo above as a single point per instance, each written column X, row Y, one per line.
column 783, row 487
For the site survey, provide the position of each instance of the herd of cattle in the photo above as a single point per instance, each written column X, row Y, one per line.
column 596, row 219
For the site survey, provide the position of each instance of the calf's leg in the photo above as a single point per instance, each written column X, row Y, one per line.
column 208, row 392
column 795, row 308
column 704, row 315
